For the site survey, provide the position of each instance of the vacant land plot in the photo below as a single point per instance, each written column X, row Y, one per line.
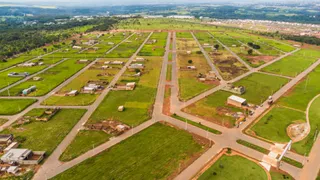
column 234, row 168
column 275, row 175
column 94, row 75
column 50, row 79
column 260, row 86
column 294, row 64
column 228, row 65
column 138, row 102
column 128, row 48
column 45, row 136
column 14, row 106
column 189, row 84
column 155, row 46
column 159, row 152
column 83, row 142
column 273, row 126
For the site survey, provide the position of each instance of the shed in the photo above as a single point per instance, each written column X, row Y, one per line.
column 13, row 169
column 12, row 145
column 121, row 108
column 6, row 138
column 236, row 101
column 73, row 93
column 37, row 78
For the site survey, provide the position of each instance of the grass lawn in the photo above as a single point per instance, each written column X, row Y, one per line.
column 253, row 146
column 83, row 142
column 260, row 86
column 306, row 144
column 169, row 72
column 294, row 64
column 301, row 94
column 274, row 124
column 50, row 79
column 154, row 153
column 14, row 106
column 45, row 136
column 2, row 121
column 234, row 168
column 138, row 103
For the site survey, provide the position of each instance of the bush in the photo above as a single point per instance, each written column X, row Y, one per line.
column 190, row 61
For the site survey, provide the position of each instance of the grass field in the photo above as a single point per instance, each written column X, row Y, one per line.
column 50, row 79
column 45, row 136
column 234, row 168
column 294, row 64
column 159, row 152
column 138, row 103
column 128, row 48
column 83, row 142
column 274, row 124
column 92, row 74
column 156, row 48
column 14, row 106
column 302, row 93
column 280, row 176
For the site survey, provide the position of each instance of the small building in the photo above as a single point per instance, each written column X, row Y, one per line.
column 130, row 86
column 121, row 108
column 36, row 78
column 6, row 139
column 105, row 67
column 117, row 62
column 27, row 64
column 83, row 61
column 136, row 66
column 121, row 128
column 28, row 90
column 110, row 43
column 77, row 47
column 234, row 89
column 73, row 93
column 189, row 52
column 236, row 101
column 191, row 67
column 15, row 74
column 23, row 156
column 13, row 170
column 107, row 62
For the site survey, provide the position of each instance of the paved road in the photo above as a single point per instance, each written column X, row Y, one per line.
column 210, row 63
column 53, row 161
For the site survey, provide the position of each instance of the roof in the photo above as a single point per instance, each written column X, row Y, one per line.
column 237, row 99
column 15, row 154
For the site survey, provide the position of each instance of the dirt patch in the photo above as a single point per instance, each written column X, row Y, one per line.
column 258, row 59
column 297, row 131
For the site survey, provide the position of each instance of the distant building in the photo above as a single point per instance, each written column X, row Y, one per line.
column 22, row 156
column 6, row 139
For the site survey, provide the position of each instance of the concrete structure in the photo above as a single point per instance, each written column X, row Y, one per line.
column 191, row 67
column 73, row 93
column 121, row 108
column 13, row 170
column 28, row 64
column 29, row 90
column 236, row 101
column 233, row 89
column 22, row 156
column 37, row 78
column 136, row 66
column 6, row 138
column 77, row 47
column 11, row 146
column 15, row 74
column 83, row 61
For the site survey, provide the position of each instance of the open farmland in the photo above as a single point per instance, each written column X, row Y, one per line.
column 45, row 136
column 161, row 149
column 295, row 63
column 155, row 46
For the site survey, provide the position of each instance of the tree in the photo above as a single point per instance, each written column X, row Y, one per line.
column 250, row 44
column 190, row 61
column 74, row 42
column 216, row 46
column 45, row 50
column 250, row 51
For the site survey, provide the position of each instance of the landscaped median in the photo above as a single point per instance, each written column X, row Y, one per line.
column 158, row 152
column 265, row 151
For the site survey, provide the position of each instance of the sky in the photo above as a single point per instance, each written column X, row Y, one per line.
column 130, row 2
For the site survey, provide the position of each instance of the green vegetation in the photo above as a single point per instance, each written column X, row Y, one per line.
column 137, row 103
column 234, row 168
column 253, row 146
column 159, row 152
column 128, row 48
column 280, row 176
column 294, row 64
column 83, row 142
column 199, row 125
column 155, row 45
column 50, row 79
column 45, row 136
column 292, row 162
column 273, row 126
column 2, row 121
column 14, row 106
column 169, row 72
